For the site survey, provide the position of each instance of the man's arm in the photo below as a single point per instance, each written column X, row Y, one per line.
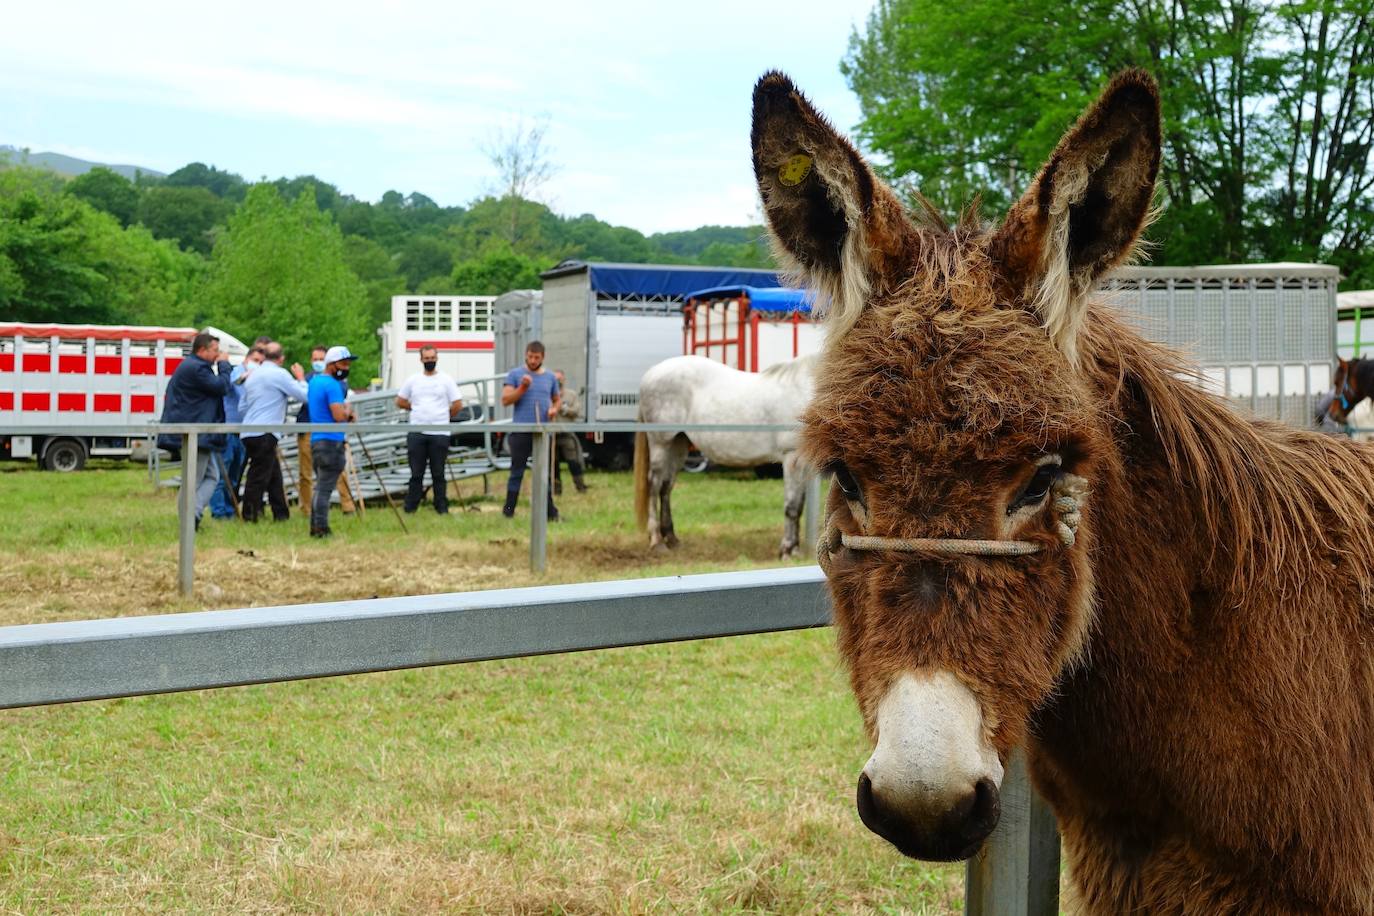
column 402, row 403
column 512, row 393
column 340, row 412
column 207, row 380
column 454, row 408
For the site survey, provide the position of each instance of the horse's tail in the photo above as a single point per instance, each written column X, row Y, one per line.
column 642, row 480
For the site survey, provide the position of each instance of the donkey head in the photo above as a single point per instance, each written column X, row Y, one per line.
column 955, row 402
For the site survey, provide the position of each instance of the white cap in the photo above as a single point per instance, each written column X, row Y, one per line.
column 338, row 354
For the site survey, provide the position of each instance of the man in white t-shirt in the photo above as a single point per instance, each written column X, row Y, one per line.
column 432, row 399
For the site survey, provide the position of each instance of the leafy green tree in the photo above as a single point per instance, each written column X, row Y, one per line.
column 1267, row 110
column 186, row 214
column 498, row 270
column 63, row 260
column 377, row 270
column 226, row 185
column 744, row 254
column 424, row 256
column 280, row 268
column 107, row 190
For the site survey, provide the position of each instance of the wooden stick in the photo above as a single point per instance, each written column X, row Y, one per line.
column 381, row 483
column 228, row 485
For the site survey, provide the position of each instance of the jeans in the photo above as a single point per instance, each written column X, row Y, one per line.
column 206, row 479
column 221, row 506
column 521, row 447
column 264, row 476
column 424, row 450
column 328, row 457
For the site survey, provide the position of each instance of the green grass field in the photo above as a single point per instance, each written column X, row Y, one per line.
column 714, row 776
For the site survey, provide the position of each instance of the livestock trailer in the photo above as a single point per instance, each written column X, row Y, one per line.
column 605, row 325
column 86, row 374
column 1262, row 335
column 748, row 327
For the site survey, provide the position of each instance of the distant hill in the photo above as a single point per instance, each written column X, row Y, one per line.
column 69, row 165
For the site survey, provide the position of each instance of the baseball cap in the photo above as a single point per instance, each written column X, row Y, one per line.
column 338, row 354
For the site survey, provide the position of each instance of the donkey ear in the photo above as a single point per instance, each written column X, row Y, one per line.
column 1086, row 208
column 834, row 224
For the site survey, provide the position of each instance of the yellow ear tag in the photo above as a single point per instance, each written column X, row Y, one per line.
column 794, row 170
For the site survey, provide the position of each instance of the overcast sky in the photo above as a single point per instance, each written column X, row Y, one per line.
column 647, row 103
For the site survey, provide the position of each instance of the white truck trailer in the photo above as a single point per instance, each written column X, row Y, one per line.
column 458, row 326
column 73, row 374
column 604, row 325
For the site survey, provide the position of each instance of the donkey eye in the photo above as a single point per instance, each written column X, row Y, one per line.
column 845, row 481
column 1037, row 489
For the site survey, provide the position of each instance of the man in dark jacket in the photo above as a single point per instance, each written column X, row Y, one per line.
column 195, row 394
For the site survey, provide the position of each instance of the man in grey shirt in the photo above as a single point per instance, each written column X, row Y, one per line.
column 265, row 395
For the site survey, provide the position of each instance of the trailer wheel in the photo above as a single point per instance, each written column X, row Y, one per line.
column 64, row 455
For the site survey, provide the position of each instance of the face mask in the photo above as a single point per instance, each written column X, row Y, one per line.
column 318, row 365
column 430, row 364
column 341, row 374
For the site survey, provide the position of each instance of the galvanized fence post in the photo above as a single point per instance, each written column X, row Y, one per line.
column 539, row 503
column 186, row 504
column 812, row 510
column 1016, row 873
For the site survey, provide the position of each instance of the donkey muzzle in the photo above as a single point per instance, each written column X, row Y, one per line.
column 931, row 787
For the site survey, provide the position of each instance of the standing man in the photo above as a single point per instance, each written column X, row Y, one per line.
column 221, row 505
column 534, row 392
column 306, row 469
column 195, row 394
column 265, row 395
column 431, row 397
column 325, row 397
column 565, row 445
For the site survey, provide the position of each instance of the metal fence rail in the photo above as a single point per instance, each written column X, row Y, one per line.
column 539, row 478
column 1016, row 874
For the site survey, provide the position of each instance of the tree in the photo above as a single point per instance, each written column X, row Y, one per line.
column 107, row 190
column 424, row 256
column 520, row 156
column 1267, row 121
column 63, row 260
column 280, row 269
column 226, row 185
column 186, row 214
column 376, row 269
column 498, row 270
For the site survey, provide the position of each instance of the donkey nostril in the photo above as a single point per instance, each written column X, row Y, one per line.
column 986, row 809
column 864, row 799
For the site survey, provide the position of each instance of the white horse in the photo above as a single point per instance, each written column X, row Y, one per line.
column 693, row 389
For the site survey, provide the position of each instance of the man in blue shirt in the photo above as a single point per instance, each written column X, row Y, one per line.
column 534, row 392
column 265, row 396
column 325, row 398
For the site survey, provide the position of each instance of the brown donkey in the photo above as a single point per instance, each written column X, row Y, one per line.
column 1042, row 534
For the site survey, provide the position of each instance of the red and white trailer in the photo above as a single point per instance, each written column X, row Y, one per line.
column 749, row 328
column 68, row 374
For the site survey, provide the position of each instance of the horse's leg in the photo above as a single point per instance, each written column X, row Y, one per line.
column 794, row 477
column 676, row 459
column 658, row 463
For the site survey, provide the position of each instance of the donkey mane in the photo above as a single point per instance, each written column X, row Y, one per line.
column 1273, row 499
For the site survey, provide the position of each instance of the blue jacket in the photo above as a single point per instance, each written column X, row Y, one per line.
column 195, row 394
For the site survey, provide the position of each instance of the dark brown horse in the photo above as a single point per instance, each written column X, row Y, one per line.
column 1041, row 534
column 1353, row 382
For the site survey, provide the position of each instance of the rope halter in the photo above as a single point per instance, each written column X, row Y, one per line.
column 1068, row 494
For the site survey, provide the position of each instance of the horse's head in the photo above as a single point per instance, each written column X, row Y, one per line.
column 954, row 410
column 1349, row 387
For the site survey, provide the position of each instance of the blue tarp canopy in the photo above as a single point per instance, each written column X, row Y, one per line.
column 665, row 280
column 762, row 298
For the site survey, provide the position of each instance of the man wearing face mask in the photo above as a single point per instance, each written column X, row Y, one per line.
column 306, row 470
column 432, row 398
column 326, row 393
